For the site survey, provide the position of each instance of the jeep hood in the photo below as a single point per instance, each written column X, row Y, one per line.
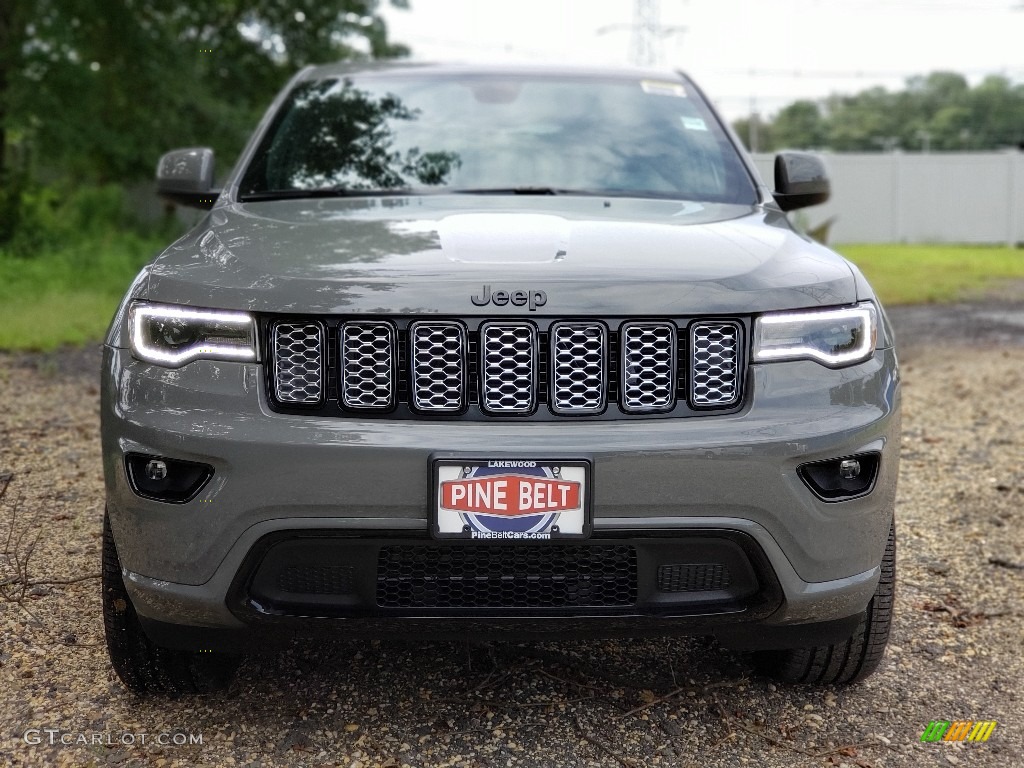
column 431, row 254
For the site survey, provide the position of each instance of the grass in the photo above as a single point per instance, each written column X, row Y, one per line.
column 934, row 274
column 67, row 295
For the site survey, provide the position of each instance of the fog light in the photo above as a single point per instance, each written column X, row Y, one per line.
column 849, row 469
column 156, row 469
column 164, row 479
column 843, row 478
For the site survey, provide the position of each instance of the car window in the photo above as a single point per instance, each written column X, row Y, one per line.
column 424, row 133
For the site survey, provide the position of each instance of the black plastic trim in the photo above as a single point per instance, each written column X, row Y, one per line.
column 764, row 600
column 874, row 460
column 134, row 485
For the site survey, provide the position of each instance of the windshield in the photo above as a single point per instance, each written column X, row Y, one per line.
column 524, row 134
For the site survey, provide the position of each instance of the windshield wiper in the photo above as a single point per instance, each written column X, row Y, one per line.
column 292, row 194
column 519, row 191
column 557, row 191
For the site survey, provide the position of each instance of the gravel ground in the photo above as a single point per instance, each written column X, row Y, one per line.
column 954, row 655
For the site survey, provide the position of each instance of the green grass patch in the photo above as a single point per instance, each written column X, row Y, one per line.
column 927, row 274
column 68, row 294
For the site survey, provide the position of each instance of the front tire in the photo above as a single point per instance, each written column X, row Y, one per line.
column 848, row 661
column 143, row 666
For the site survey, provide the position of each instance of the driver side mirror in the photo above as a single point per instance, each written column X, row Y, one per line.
column 185, row 176
column 800, row 180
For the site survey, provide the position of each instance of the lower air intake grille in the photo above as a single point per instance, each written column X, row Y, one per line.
column 316, row 579
column 693, row 577
column 513, row 576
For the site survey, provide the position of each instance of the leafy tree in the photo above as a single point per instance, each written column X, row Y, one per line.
column 998, row 109
column 938, row 111
column 763, row 132
column 97, row 91
column 865, row 122
column 800, row 126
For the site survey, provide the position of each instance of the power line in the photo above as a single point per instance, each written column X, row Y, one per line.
column 858, row 74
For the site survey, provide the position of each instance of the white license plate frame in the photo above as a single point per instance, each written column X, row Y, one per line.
column 519, row 500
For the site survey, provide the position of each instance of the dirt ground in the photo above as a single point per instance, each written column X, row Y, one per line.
column 955, row 652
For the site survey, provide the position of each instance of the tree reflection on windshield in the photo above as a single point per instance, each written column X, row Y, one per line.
column 337, row 136
column 413, row 133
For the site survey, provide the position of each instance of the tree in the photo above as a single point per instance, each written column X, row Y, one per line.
column 863, row 123
column 938, row 111
column 761, row 133
column 800, row 126
column 99, row 94
column 998, row 109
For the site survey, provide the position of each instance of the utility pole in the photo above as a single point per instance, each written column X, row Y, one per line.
column 753, row 140
column 926, row 140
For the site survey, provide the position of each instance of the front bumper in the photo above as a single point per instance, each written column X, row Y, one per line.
column 663, row 478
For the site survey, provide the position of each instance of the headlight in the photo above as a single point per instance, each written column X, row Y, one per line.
column 173, row 336
column 832, row 337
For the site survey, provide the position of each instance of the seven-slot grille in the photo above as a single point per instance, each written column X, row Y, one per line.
column 648, row 366
column 368, row 367
column 508, row 363
column 714, row 351
column 579, row 362
column 507, row 368
column 298, row 363
column 438, row 366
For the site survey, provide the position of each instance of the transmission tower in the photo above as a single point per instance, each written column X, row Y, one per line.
column 648, row 33
column 645, row 44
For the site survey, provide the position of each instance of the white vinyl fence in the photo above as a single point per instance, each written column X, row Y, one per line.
column 968, row 197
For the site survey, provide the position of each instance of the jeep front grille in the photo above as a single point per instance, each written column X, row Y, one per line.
column 438, row 366
column 298, row 363
column 715, row 348
column 368, row 364
column 579, row 362
column 539, row 369
column 508, row 367
column 648, row 366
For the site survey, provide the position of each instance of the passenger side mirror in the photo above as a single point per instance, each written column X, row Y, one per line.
column 185, row 176
column 800, row 180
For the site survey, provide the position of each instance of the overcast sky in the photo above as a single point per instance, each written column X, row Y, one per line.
column 742, row 52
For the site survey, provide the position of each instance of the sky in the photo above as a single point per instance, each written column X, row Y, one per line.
column 746, row 54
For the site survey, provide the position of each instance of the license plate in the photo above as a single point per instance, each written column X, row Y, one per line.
column 514, row 500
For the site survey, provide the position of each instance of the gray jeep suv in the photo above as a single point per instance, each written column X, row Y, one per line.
column 510, row 353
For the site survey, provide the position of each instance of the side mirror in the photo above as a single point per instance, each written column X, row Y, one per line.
column 800, row 180
column 185, row 176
